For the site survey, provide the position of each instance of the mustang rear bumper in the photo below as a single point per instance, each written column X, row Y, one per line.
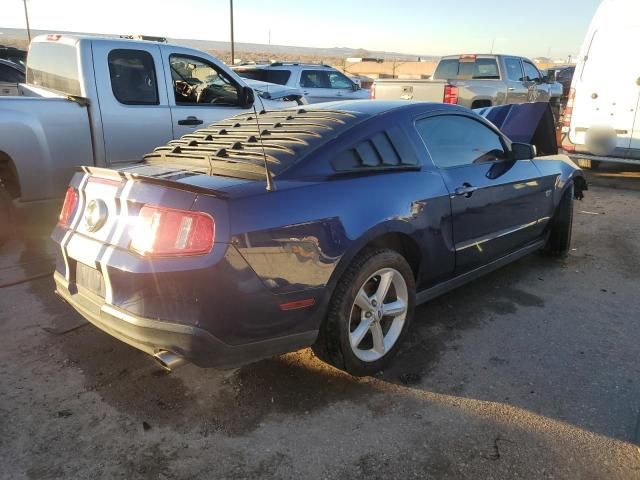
column 151, row 336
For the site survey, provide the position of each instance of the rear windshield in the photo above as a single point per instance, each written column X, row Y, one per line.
column 54, row 66
column 281, row 77
column 478, row 69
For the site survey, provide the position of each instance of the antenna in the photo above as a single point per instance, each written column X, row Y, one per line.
column 271, row 186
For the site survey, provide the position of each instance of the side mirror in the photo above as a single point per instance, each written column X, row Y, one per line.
column 246, row 97
column 549, row 78
column 523, row 151
column 355, row 87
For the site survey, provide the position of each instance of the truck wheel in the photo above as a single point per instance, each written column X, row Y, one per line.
column 7, row 215
column 559, row 239
column 369, row 313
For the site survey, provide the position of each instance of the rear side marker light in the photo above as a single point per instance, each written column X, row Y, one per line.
column 298, row 304
column 68, row 207
column 167, row 232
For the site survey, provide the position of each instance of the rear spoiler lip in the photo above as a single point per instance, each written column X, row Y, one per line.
column 120, row 175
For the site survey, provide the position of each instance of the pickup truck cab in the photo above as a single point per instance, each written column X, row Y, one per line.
column 477, row 81
column 106, row 102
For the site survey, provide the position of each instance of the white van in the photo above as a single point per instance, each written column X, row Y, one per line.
column 601, row 121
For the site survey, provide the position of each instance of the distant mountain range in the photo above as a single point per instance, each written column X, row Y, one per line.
column 11, row 36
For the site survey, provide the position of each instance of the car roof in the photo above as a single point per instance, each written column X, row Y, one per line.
column 284, row 66
column 378, row 107
column 239, row 146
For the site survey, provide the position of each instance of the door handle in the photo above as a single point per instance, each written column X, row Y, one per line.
column 190, row 121
column 511, row 89
column 466, row 190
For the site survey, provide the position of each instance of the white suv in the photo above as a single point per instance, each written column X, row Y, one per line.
column 319, row 83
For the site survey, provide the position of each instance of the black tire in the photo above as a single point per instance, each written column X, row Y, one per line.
column 333, row 344
column 7, row 215
column 559, row 239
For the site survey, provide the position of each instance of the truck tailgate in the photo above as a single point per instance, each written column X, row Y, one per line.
column 420, row 90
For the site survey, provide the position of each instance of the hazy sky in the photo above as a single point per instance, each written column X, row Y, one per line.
column 438, row 27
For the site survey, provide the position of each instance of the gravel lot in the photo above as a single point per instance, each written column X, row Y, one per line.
column 530, row 372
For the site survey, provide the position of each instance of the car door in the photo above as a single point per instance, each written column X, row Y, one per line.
column 316, row 86
column 9, row 79
column 517, row 91
column 497, row 205
column 133, row 103
column 200, row 93
column 538, row 92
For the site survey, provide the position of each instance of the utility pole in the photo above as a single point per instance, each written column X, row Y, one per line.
column 232, row 45
column 26, row 16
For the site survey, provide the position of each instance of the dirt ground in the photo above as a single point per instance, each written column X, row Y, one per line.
column 531, row 372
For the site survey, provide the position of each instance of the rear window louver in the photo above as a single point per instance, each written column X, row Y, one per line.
column 232, row 147
column 386, row 150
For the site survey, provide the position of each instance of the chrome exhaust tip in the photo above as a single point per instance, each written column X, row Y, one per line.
column 169, row 361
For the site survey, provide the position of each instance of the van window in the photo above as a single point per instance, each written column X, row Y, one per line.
column 54, row 66
column 133, row 77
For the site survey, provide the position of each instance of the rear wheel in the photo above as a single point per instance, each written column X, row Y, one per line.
column 369, row 313
column 7, row 215
column 559, row 239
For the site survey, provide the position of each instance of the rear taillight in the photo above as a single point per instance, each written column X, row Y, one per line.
column 450, row 94
column 165, row 232
column 69, row 206
column 568, row 110
column 372, row 92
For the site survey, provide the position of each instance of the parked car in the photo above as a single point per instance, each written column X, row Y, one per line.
column 476, row 81
column 14, row 55
column 11, row 75
column 319, row 83
column 601, row 123
column 236, row 243
column 106, row 102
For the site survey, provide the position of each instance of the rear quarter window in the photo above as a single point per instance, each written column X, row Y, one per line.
column 54, row 66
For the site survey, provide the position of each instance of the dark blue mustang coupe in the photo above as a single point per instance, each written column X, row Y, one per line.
column 321, row 226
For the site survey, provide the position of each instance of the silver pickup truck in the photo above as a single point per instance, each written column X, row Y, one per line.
column 476, row 81
column 105, row 102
